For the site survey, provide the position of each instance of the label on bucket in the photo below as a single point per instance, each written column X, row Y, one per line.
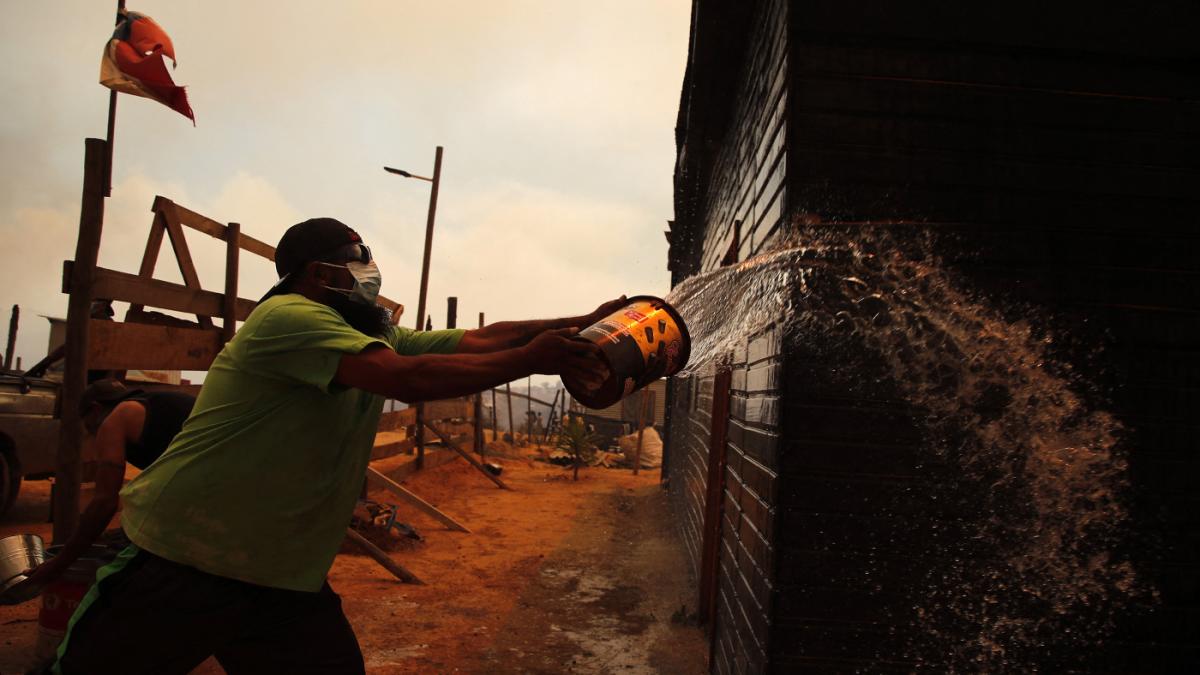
column 59, row 602
column 643, row 341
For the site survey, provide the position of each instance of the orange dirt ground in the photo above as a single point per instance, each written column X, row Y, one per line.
column 556, row 577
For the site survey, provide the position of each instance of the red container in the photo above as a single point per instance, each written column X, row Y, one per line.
column 59, row 602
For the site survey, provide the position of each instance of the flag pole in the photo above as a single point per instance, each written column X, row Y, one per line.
column 112, row 121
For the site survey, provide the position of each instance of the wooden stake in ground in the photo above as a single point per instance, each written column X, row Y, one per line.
column 550, row 418
column 383, row 558
column 466, row 455
column 478, row 426
column 637, row 453
column 424, row 506
column 512, row 431
column 495, row 411
column 13, row 323
column 529, row 408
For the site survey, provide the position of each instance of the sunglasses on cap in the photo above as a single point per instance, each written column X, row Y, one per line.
column 349, row 253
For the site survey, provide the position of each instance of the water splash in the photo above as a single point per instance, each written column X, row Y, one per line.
column 723, row 307
column 1039, row 476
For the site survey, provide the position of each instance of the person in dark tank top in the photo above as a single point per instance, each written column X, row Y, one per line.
column 128, row 425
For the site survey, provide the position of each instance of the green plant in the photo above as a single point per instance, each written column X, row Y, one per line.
column 578, row 440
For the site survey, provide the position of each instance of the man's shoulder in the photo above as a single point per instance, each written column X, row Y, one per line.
column 284, row 311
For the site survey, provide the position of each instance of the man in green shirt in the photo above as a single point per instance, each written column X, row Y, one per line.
column 235, row 527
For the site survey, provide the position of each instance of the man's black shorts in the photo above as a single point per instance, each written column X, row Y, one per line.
column 150, row 615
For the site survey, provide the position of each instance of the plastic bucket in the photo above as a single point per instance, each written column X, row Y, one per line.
column 641, row 342
column 61, row 598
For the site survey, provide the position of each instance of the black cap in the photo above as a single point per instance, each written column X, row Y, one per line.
column 308, row 241
column 108, row 391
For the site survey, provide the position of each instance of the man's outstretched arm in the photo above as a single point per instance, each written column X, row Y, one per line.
column 511, row 334
column 429, row 377
column 122, row 426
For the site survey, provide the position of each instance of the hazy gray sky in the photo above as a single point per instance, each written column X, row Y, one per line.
column 557, row 117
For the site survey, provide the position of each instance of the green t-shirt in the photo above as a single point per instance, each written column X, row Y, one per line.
column 260, row 482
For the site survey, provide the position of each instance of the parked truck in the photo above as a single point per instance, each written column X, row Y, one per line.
column 28, row 432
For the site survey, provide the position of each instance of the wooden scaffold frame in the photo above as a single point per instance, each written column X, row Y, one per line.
column 154, row 341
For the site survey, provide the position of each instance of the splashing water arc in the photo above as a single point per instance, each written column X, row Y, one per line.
column 1044, row 474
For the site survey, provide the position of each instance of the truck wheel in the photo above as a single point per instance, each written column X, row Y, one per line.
column 10, row 481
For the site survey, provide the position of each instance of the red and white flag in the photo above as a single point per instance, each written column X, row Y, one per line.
column 133, row 63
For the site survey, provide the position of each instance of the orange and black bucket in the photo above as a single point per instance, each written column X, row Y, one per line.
column 641, row 342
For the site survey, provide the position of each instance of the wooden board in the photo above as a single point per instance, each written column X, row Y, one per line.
column 212, row 228
column 459, row 408
column 397, row 419
column 114, row 345
column 377, row 478
column 120, row 286
column 386, row 447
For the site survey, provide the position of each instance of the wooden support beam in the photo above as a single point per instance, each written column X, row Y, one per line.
column 68, row 468
column 212, row 228
column 183, row 256
column 117, row 345
column 142, row 292
column 150, row 256
column 466, row 455
column 425, row 507
column 383, row 558
column 550, row 417
column 233, row 235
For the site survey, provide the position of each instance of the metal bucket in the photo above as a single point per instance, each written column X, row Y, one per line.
column 18, row 553
column 641, row 342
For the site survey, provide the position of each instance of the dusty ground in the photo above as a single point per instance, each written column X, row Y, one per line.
column 556, row 576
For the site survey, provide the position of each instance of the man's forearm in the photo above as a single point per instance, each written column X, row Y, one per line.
column 432, row 376
column 512, row 334
column 438, row 376
column 92, row 523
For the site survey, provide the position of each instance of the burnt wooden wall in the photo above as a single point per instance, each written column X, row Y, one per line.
column 1054, row 150
column 738, row 208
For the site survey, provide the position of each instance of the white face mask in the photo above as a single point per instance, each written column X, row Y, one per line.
column 367, row 281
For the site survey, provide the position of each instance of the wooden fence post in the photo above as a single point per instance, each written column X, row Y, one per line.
column 14, row 323
column 479, row 445
column 495, row 412
column 637, row 453
column 550, row 417
column 68, row 471
column 233, row 234
column 512, row 431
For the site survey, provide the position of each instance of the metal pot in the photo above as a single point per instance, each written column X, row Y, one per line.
column 18, row 553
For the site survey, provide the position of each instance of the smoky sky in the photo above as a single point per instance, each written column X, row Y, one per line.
column 557, row 120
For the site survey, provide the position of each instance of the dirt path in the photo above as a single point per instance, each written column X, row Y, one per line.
column 557, row 576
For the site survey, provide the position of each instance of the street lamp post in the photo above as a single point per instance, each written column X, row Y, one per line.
column 433, row 197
